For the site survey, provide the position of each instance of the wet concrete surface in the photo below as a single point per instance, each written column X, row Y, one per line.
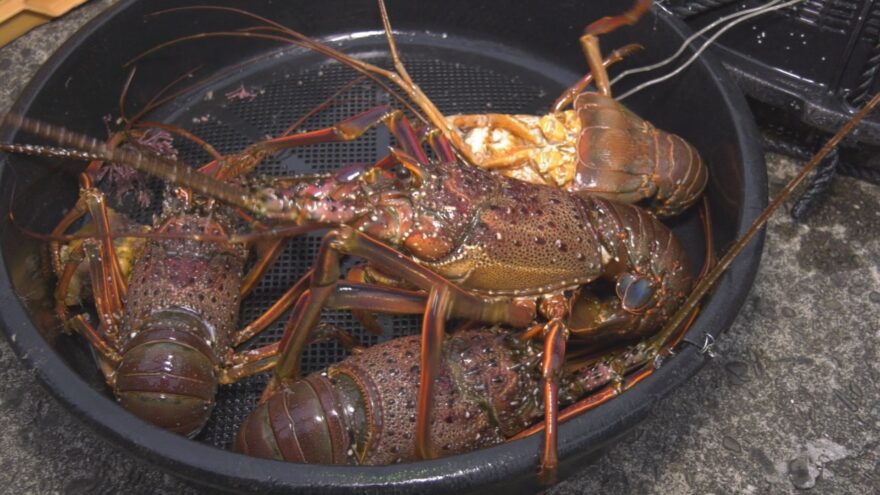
column 789, row 403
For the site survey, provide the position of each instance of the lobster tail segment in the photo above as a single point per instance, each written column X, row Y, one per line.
column 167, row 374
column 302, row 423
column 624, row 158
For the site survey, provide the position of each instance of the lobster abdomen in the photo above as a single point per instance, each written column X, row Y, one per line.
column 182, row 305
column 623, row 157
column 362, row 411
column 167, row 375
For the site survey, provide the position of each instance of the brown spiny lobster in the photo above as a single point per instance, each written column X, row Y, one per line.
column 656, row 346
column 363, row 409
column 167, row 297
column 597, row 148
column 482, row 247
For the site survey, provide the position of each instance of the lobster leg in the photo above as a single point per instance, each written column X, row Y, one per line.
column 365, row 318
column 267, row 253
column 441, row 146
column 555, row 309
column 99, row 342
column 78, row 211
column 509, row 159
column 63, row 286
column 109, row 310
column 274, row 312
column 499, row 120
column 568, row 96
column 249, row 363
column 433, row 330
column 109, row 284
column 555, row 336
column 590, row 45
column 389, row 300
column 590, row 41
column 609, row 23
column 358, row 274
column 347, row 130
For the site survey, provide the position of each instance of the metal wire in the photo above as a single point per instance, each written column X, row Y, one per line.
column 695, row 7
column 706, row 45
column 668, row 60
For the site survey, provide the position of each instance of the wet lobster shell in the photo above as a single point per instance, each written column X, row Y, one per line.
column 363, row 410
column 88, row 67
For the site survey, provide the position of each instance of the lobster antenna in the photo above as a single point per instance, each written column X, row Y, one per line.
column 432, row 114
column 703, row 48
column 691, row 38
column 48, row 151
column 295, row 38
column 712, row 277
column 392, row 44
column 91, row 149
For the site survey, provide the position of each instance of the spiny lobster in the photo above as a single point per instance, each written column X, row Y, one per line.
column 657, row 344
column 598, row 148
column 167, row 297
column 482, row 247
column 363, row 409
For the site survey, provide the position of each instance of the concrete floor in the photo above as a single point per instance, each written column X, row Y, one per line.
column 790, row 402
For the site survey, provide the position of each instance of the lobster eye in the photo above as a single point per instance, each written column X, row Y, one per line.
column 634, row 292
column 403, row 173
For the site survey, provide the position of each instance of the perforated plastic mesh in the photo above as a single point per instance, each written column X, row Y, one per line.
column 284, row 90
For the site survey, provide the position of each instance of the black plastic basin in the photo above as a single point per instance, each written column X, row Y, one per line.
column 499, row 56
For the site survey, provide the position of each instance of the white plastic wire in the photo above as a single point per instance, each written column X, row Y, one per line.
column 690, row 40
column 703, row 48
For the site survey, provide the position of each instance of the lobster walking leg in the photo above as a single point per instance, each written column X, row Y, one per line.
column 433, row 330
column 326, row 277
column 554, row 354
column 610, row 23
column 347, row 130
column 106, row 275
column 267, row 253
column 590, row 41
column 94, row 337
column 568, row 96
column 247, row 363
column 555, row 309
column 365, row 318
column 274, row 312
